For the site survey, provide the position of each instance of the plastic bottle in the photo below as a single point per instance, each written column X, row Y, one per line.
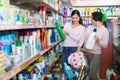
column 49, row 37
column 34, row 77
column 91, row 41
column 34, row 41
column 19, row 49
column 65, row 11
column 68, row 71
column 20, row 77
column 60, row 31
column 30, row 41
column 109, row 71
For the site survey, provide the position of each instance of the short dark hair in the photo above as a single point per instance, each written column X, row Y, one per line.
column 77, row 13
column 97, row 16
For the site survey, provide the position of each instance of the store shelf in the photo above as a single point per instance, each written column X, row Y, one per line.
column 50, row 67
column 22, row 66
column 90, row 16
column 50, row 26
column 36, row 3
column 116, row 47
column 19, row 27
column 117, row 15
column 50, row 7
column 117, row 59
column 116, row 70
column 115, row 22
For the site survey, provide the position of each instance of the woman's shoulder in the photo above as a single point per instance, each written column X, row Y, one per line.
column 67, row 24
column 90, row 27
column 83, row 27
column 105, row 29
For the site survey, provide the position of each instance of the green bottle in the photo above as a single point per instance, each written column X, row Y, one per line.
column 60, row 31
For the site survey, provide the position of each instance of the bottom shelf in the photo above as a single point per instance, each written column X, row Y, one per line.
column 22, row 66
column 50, row 67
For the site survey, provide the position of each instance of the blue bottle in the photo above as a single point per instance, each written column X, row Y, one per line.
column 68, row 71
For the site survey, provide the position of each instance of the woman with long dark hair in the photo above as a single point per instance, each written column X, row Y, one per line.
column 74, row 32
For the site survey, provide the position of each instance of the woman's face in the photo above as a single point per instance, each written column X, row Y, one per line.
column 75, row 18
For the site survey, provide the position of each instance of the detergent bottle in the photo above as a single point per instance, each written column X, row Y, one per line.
column 68, row 71
column 91, row 41
column 60, row 31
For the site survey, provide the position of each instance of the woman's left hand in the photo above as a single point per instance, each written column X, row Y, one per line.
column 96, row 39
column 78, row 49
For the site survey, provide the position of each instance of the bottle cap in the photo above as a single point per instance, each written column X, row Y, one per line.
column 30, row 33
column 94, row 30
column 18, row 43
column 110, row 68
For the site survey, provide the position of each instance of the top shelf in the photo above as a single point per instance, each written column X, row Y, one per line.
column 90, row 16
column 34, row 4
column 50, row 7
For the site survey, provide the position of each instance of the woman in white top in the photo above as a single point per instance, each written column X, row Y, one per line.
column 74, row 35
column 101, row 41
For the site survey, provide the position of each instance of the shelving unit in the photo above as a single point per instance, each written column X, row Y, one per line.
column 118, row 23
column 22, row 66
column 50, row 7
column 116, row 47
column 36, row 4
column 117, row 59
column 50, row 67
column 90, row 16
column 19, row 27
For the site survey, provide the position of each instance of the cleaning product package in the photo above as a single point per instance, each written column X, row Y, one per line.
column 60, row 31
column 91, row 41
column 68, row 71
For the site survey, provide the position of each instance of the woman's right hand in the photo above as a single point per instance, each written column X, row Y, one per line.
column 66, row 33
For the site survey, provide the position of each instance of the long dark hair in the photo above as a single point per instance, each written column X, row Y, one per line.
column 77, row 13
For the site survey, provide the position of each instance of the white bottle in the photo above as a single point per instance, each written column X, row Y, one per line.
column 49, row 37
column 109, row 72
column 34, row 77
column 20, row 77
column 91, row 41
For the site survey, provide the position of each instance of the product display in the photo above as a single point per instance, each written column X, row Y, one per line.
column 31, row 39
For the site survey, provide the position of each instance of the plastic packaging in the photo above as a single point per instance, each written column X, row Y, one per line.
column 19, row 49
column 91, row 41
column 60, row 31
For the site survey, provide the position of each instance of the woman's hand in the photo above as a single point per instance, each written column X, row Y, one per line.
column 78, row 49
column 96, row 39
column 66, row 33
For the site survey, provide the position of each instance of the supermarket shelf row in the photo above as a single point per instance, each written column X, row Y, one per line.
column 23, row 65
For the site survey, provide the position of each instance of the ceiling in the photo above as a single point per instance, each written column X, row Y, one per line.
column 95, row 2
